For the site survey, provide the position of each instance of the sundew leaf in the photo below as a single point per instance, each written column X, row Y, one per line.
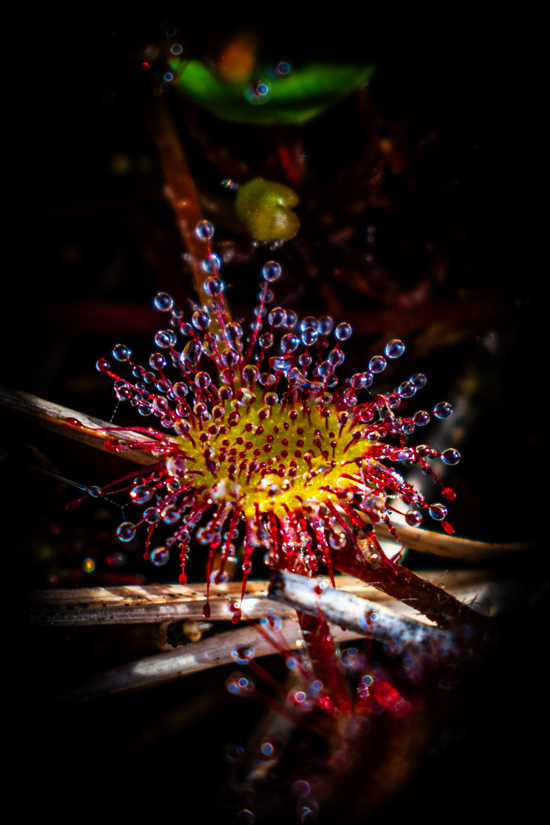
column 295, row 98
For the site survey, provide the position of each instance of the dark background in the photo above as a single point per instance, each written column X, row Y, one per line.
column 460, row 99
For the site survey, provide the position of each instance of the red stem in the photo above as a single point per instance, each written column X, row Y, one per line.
column 324, row 660
column 366, row 561
column 181, row 189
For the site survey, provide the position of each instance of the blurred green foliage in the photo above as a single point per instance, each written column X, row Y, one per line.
column 292, row 98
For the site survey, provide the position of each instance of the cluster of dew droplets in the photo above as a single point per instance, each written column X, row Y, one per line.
column 372, row 693
column 224, row 386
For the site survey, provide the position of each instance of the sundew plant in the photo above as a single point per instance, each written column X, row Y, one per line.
column 270, row 451
column 292, row 357
column 264, row 449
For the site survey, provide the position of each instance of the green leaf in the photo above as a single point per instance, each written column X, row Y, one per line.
column 294, row 98
column 265, row 208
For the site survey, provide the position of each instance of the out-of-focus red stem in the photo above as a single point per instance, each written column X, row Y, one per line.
column 324, row 659
column 181, row 189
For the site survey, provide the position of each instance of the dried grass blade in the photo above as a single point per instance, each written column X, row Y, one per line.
column 143, row 604
column 154, row 670
column 456, row 547
column 76, row 425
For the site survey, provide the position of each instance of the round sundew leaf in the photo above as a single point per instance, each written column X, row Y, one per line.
column 265, row 207
column 295, row 98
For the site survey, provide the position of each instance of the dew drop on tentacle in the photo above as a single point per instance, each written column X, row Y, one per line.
column 152, row 515
column 336, row 357
column 157, row 361
column 406, row 390
column 442, row 410
column 233, row 753
column 421, row 418
column 218, row 576
column 171, row 514
column 213, row 286
column 163, row 302
column 438, row 511
column 204, row 231
column 73, row 422
column 202, row 380
column 447, row 527
column 126, row 531
column 240, row 685
column 201, row 320
column 243, row 654
column 267, row 749
column 343, row 332
column 271, row 622
column 291, row 319
column 394, row 348
column 142, row 493
column 418, row 380
column 276, row 317
column 165, row 338
column 377, row 364
column 211, row 264
column 122, row 353
column 413, row 518
column 159, row 556
column 301, row 789
column 361, row 380
column 190, row 355
column 245, row 817
column 450, row 456
column 289, row 343
column 309, row 329
column 271, row 271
